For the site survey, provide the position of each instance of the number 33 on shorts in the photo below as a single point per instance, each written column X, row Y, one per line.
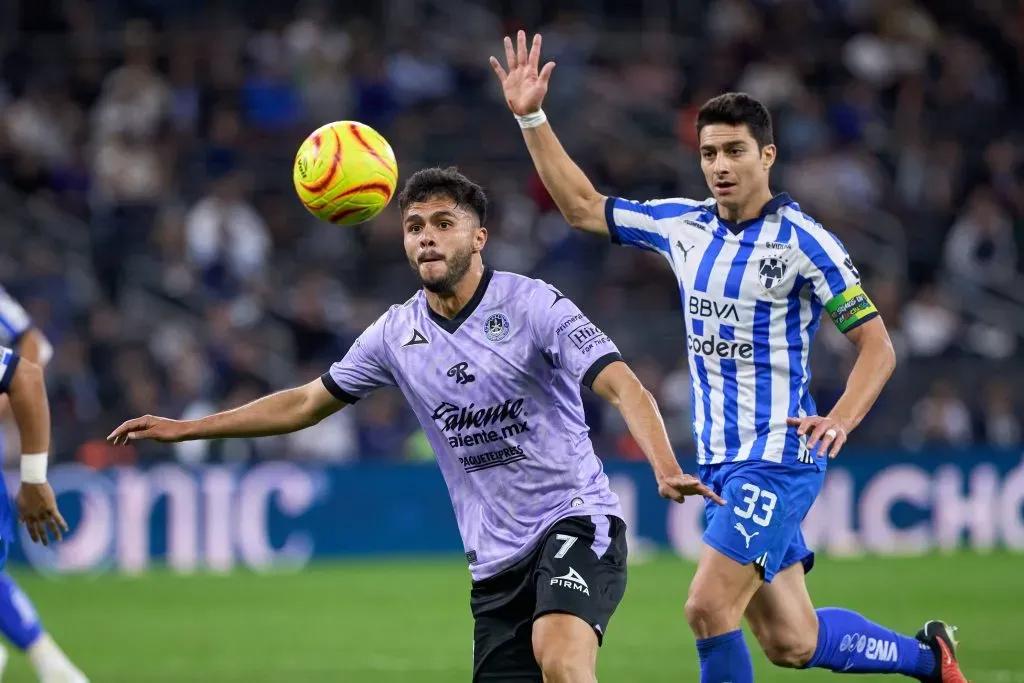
column 757, row 504
column 748, row 527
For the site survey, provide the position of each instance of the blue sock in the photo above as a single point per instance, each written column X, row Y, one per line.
column 18, row 618
column 849, row 643
column 725, row 659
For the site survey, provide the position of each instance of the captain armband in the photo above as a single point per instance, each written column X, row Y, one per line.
column 851, row 308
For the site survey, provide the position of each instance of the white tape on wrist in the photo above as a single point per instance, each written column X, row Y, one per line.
column 532, row 120
column 33, row 468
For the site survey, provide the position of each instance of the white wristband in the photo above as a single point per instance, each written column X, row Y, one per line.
column 532, row 120
column 33, row 468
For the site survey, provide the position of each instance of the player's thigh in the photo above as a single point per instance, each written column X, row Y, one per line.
column 581, row 570
column 503, row 608
column 782, row 618
column 719, row 592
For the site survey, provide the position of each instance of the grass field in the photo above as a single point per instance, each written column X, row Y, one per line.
column 409, row 621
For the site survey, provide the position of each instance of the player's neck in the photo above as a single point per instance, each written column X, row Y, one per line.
column 449, row 304
column 747, row 211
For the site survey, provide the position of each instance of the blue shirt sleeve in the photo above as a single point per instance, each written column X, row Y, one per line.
column 8, row 365
column 646, row 225
column 14, row 320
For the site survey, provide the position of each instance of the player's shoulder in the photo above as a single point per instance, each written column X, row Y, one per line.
column 690, row 202
column 523, row 292
column 670, row 208
column 800, row 219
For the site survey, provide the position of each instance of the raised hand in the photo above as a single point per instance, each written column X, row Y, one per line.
column 148, row 427
column 678, row 486
column 525, row 84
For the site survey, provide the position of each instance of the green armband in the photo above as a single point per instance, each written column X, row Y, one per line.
column 851, row 308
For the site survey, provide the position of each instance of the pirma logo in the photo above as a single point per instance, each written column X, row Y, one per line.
column 573, row 581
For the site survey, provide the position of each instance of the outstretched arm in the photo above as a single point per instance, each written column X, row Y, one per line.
column 525, row 84
column 619, row 386
column 279, row 413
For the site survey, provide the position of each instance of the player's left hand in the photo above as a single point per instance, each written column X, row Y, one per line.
column 37, row 509
column 678, row 486
column 827, row 434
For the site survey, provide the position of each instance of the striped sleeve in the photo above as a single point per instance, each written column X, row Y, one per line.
column 645, row 225
column 835, row 279
column 14, row 321
column 8, row 365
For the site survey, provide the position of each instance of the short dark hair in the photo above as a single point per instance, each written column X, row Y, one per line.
column 444, row 182
column 738, row 109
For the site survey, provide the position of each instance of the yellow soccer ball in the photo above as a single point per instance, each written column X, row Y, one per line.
column 345, row 173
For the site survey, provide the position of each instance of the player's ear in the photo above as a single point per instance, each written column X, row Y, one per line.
column 768, row 153
column 480, row 239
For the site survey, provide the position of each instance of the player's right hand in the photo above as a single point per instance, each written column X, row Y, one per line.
column 525, row 84
column 37, row 510
column 678, row 486
column 148, row 427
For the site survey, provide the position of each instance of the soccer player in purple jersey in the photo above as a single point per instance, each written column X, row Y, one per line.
column 492, row 363
column 755, row 273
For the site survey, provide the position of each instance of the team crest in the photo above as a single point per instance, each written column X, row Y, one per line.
column 496, row 328
column 771, row 271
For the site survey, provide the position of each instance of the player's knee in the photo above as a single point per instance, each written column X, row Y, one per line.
column 708, row 616
column 789, row 650
column 562, row 657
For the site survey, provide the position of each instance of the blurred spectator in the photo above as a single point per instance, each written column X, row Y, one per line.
column 227, row 239
column 981, row 245
column 929, row 326
column 997, row 421
column 940, row 418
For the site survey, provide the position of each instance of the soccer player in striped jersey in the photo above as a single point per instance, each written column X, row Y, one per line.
column 24, row 351
column 755, row 273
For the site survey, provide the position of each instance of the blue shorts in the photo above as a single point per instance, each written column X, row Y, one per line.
column 760, row 522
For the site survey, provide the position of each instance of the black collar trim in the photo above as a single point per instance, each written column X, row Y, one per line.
column 451, row 325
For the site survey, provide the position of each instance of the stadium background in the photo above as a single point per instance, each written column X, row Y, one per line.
column 150, row 228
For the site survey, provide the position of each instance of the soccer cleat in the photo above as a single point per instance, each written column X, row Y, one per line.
column 941, row 638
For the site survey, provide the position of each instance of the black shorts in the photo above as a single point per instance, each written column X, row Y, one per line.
column 579, row 568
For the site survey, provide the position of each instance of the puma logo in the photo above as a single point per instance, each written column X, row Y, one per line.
column 686, row 252
column 746, row 537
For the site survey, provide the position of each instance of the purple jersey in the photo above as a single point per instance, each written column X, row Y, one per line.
column 497, row 391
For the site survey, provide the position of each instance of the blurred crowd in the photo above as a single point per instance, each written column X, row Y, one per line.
column 163, row 132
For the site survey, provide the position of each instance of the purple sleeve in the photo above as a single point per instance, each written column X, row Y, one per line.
column 567, row 338
column 364, row 368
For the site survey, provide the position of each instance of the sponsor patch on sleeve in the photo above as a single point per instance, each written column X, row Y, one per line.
column 851, row 308
column 585, row 335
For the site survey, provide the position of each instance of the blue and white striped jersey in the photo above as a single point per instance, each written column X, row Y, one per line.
column 752, row 298
column 14, row 321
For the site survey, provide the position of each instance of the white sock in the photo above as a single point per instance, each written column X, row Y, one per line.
column 51, row 664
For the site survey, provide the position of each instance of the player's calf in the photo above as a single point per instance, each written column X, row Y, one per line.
column 790, row 650
column 566, row 648
column 718, row 595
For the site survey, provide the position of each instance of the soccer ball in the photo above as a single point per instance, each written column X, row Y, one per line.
column 345, row 173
